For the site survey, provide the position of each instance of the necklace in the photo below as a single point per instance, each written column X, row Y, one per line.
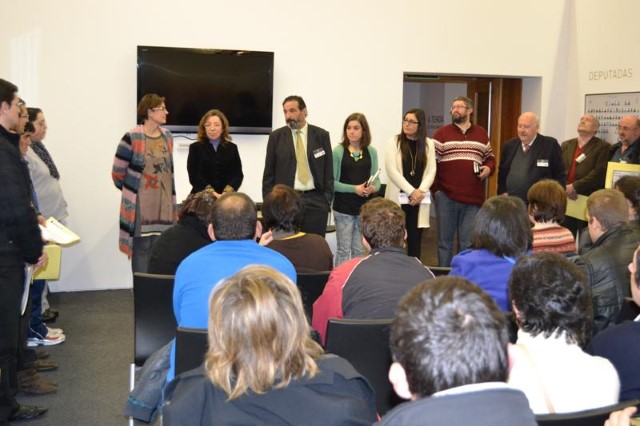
column 356, row 155
column 413, row 163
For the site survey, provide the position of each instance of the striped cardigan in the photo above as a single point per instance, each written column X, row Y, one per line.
column 126, row 173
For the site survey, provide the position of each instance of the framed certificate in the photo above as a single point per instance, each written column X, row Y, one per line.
column 616, row 170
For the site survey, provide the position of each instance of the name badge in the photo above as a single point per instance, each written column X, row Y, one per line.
column 318, row 153
column 543, row 163
column 580, row 158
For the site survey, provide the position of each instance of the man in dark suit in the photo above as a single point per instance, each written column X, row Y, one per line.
column 529, row 158
column 585, row 161
column 299, row 156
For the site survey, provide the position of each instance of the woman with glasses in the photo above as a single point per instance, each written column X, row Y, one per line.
column 45, row 178
column 143, row 171
column 214, row 160
column 355, row 161
column 410, row 162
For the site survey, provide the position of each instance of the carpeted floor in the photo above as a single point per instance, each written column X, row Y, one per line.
column 93, row 377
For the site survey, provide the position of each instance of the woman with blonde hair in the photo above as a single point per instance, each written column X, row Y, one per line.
column 262, row 367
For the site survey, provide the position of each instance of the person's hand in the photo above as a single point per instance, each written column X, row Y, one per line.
column 362, row 191
column 42, row 220
column 41, row 261
column 415, row 198
column 266, row 238
column 484, row 172
column 217, row 195
column 621, row 418
column 571, row 192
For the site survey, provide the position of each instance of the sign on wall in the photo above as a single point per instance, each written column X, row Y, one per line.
column 609, row 108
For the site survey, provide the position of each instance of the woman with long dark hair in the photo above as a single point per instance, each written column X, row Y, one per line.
column 410, row 162
column 354, row 162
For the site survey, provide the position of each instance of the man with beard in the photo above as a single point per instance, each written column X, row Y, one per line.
column 529, row 158
column 627, row 149
column 299, row 156
column 465, row 160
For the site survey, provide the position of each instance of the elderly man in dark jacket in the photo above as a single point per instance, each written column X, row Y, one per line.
column 606, row 263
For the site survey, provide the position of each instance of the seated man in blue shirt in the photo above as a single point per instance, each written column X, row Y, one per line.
column 234, row 227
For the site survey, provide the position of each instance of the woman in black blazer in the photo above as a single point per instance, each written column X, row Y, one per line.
column 213, row 159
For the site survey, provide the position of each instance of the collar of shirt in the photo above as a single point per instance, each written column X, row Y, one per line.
column 530, row 143
column 474, row 387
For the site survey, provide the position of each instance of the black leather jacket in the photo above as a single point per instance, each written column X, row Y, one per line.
column 606, row 265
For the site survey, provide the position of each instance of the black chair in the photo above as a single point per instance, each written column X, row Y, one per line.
column 595, row 417
column 155, row 324
column 439, row 271
column 191, row 347
column 365, row 344
column 311, row 286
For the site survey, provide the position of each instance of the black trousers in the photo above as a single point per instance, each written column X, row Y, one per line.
column 414, row 234
column 11, row 284
column 316, row 212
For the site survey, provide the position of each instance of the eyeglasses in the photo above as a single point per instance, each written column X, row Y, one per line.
column 626, row 128
column 412, row 122
column 159, row 109
column 24, row 115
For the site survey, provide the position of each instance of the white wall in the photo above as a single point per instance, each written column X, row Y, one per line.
column 77, row 60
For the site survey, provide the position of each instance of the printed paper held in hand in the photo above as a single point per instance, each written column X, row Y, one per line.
column 56, row 232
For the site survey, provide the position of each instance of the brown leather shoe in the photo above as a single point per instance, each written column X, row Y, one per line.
column 45, row 365
column 30, row 383
column 42, row 354
column 27, row 412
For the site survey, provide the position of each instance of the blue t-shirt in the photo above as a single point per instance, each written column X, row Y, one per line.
column 200, row 272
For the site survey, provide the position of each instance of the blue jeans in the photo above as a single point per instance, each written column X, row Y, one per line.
column 453, row 217
column 348, row 237
column 36, row 327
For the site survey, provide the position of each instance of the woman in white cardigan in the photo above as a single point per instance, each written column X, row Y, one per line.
column 410, row 162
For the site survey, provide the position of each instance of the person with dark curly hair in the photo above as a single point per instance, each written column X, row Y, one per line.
column 552, row 305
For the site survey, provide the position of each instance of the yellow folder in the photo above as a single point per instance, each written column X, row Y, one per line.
column 51, row 269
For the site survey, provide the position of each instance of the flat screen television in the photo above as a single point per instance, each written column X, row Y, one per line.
column 237, row 82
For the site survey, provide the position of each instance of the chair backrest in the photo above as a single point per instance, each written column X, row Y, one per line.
column 439, row 271
column 311, row 285
column 154, row 322
column 595, row 417
column 365, row 344
column 191, row 346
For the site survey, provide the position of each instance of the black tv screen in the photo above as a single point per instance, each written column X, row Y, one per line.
column 237, row 82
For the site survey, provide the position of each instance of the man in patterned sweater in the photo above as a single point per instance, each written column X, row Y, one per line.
column 465, row 160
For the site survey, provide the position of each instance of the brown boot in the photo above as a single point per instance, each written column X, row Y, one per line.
column 30, row 383
column 45, row 365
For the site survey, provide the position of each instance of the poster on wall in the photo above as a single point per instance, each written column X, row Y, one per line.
column 609, row 108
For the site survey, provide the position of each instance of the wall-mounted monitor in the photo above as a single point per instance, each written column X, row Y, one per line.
column 193, row 81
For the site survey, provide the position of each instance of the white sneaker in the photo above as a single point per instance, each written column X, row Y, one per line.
column 45, row 341
column 54, row 332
